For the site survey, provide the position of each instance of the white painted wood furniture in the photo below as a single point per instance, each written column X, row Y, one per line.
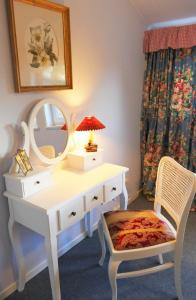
column 84, row 161
column 70, row 196
column 50, row 199
column 175, row 190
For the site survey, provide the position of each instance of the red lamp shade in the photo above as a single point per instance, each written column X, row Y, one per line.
column 64, row 127
column 90, row 123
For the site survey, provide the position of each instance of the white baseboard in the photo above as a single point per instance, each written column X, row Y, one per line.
column 37, row 269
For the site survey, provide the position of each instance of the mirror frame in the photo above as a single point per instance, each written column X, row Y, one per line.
column 35, row 148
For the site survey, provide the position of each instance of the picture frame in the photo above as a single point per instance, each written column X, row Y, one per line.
column 23, row 161
column 41, row 45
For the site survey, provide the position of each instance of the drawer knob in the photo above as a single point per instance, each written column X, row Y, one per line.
column 95, row 198
column 73, row 213
column 94, row 159
column 114, row 188
column 37, row 182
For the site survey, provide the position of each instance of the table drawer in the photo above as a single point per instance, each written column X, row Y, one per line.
column 36, row 184
column 113, row 188
column 93, row 160
column 85, row 161
column 29, row 185
column 94, row 198
column 71, row 212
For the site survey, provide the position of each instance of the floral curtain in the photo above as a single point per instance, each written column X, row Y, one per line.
column 168, row 122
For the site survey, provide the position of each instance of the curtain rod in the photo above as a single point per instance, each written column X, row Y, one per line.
column 176, row 22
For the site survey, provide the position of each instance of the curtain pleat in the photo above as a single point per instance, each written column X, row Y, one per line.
column 168, row 120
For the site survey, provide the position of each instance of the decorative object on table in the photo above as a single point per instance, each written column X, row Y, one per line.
column 23, row 161
column 90, row 123
column 41, row 45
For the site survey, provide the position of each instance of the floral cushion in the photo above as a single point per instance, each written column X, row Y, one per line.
column 137, row 229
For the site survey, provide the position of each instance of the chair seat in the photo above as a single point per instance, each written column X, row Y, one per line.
column 137, row 229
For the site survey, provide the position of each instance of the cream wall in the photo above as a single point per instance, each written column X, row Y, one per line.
column 107, row 76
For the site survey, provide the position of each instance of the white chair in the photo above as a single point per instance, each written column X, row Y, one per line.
column 127, row 232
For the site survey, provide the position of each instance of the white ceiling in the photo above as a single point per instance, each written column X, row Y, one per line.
column 157, row 11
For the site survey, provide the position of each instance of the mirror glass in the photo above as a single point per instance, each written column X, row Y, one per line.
column 50, row 138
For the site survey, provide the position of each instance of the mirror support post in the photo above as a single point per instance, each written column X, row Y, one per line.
column 26, row 140
column 14, row 168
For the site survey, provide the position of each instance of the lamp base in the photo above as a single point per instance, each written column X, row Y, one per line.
column 91, row 147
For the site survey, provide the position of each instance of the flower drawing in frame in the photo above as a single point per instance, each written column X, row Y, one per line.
column 40, row 37
column 42, row 45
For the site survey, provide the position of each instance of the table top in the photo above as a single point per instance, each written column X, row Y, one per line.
column 67, row 184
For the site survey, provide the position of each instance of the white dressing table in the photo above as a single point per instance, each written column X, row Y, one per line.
column 50, row 199
column 70, row 196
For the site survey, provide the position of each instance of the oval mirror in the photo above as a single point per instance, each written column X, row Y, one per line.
column 49, row 131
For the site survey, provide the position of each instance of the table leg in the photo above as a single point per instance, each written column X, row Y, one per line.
column 16, row 244
column 89, row 224
column 52, row 255
column 124, row 196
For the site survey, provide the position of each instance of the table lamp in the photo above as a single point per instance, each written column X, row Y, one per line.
column 90, row 124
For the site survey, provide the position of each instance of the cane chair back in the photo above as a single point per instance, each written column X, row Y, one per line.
column 175, row 188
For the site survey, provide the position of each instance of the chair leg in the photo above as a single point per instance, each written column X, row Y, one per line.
column 177, row 272
column 160, row 259
column 112, row 271
column 102, row 241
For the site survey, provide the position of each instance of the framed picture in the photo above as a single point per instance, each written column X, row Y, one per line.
column 23, row 161
column 40, row 39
